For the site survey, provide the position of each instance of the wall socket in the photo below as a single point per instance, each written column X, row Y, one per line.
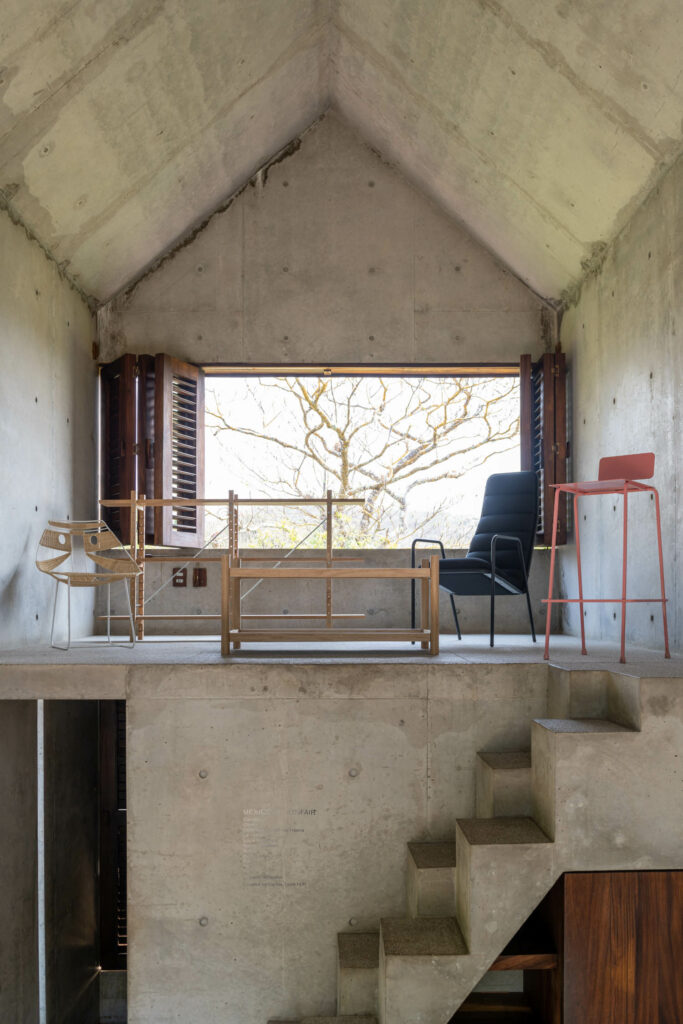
column 179, row 577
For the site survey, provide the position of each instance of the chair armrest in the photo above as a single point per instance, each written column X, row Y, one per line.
column 515, row 540
column 424, row 540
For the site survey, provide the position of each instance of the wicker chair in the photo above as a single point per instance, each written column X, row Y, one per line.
column 88, row 555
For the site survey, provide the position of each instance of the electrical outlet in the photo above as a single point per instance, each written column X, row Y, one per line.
column 199, row 577
column 179, row 577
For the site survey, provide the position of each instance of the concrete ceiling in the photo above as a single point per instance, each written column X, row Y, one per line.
column 541, row 126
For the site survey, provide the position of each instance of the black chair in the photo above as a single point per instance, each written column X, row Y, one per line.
column 499, row 555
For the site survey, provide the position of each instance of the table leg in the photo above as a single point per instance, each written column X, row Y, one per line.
column 424, row 605
column 434, row 605
column 549, row 609
column 236, row 606
column 225, row 605
column 578, row 570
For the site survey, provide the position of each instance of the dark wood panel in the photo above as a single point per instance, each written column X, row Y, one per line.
column 659, row 952
column 623, row 947
column 544, row 989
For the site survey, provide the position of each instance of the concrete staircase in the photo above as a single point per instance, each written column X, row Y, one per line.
column 561, row 806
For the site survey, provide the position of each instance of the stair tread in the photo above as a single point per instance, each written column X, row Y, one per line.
column 358, row 950
column 352, row 1019
column 433, row 855
column 501, row 831
column 580, row 725
column 506, row 760
column 422, row 936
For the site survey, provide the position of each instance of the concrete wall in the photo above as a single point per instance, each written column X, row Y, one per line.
column 329, row 256
column 624, row 350
column 315, row 780
column 383, row 602
column 18, row 863
column 47, row 449
column 71, row 861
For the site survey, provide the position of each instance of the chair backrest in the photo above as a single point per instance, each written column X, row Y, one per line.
column 627, row 467
column 510, row 506
column 88, row 553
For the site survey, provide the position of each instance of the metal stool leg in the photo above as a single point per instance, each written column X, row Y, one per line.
column 622, row 657
column 578, row 571
column 546, row 653
column 667, row 653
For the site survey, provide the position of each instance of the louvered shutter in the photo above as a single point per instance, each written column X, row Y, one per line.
column 543, row 435
column 146, row 436
column 178, row 450
column 119, row 436
column 113, row 875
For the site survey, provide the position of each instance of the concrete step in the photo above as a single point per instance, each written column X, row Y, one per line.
column 503, row 784
column 357, row 972
column 352, row 1019
column 581, row 725
column 503, row 869
column 424, row 964
column 431, row 879
column 567, row 753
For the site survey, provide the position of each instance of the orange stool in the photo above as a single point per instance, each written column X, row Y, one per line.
column 621, row 474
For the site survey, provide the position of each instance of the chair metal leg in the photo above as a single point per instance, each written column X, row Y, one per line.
column 531, row 616
column 58, row 647
column 437, row 543
column 455, row 615
column 109, row 613
column 493, row 605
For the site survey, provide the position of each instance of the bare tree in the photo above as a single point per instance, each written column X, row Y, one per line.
column 378, row 439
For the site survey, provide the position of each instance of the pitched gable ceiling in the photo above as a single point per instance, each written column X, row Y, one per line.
column 539, row 126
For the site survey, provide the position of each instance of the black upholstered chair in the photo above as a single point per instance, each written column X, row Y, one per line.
column 499, row 555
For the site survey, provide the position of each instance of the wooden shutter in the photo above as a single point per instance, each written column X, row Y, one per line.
column 178, row 450
column 119, row 471
column 113, row 875
column 543, row 430
column 146, row 437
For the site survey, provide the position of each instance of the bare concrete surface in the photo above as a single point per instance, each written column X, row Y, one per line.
column 71, row 760
column 19, row 862
column 626, row 364
column 335, row 253
column 528, row 125
column 47, row 450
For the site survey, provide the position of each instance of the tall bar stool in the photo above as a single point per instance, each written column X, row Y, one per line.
column 620, row 474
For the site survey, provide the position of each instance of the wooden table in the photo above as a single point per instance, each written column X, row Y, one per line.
column 233, row 634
